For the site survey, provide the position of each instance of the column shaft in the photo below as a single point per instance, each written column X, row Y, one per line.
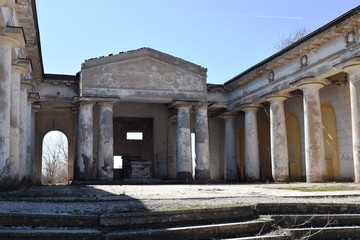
column 85, row 160
column 17, row 170
column 314, row 139
column 106, row 142
column 279, row 149
column 252, row 162
column 230, row 164
column 202, row 168
column 23, row 132
column 5, row 87
column 184, row 161
column 354, row 80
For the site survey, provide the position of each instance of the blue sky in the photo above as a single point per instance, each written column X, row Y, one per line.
column 225, row 36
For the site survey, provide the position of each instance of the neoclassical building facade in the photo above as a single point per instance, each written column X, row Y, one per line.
column 292, row 117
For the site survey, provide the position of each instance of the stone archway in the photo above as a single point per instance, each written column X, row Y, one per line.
column 294, row 147
column 55, row 159
column 330, row 141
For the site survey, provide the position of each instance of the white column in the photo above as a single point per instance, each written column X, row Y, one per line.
column 202, row 168
column 5, row 89
column 279, row 149
column 252, row 161
column 183, row 153
column 18, row 169
column 85, row 161
column 230, row 164
column 354, row 82
column 314, row 139
column 23, row 132
column 106, row 142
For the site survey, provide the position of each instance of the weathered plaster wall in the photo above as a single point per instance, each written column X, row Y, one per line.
column 339, row 98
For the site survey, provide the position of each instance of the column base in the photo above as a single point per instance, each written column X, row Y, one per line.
column 184, row 176
column 202, row 174
column 281, row 179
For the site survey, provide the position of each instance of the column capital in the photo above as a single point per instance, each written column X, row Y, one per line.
column 13, row 36
column 250, row 107
column 22, row 65
column 200, row 105
column 7, row 3
column 33, row 97
column 276, row 97
column 349, row 65
column 180, row 104
column 310, row 82
column 228, row 114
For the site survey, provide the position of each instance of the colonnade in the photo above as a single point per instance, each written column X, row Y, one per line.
column 13, row 108
column 85, row 141
column 313, row 132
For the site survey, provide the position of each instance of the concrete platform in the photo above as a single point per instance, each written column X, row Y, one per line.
column 95, row 199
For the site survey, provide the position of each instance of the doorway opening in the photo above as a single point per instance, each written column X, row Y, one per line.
column 54, row 167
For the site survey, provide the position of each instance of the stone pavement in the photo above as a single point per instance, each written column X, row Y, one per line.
column 96, row 199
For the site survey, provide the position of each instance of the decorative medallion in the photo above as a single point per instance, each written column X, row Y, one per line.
column 304, row 61
column 271, row 76
column 350, row 38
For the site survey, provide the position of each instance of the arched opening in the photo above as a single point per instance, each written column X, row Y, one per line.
column 294, row 147
column 330, row 141
column 54, row 167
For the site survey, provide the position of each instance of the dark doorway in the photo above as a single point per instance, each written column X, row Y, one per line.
column 134, row 142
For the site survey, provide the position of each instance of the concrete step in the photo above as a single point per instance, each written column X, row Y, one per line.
column 177, row 218
column 325, row 233
column 212, row 231
column 48, row 220
column 315, row 220
column 49, row 233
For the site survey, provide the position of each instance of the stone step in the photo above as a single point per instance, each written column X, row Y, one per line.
column 177, row 218
column 49, row 233
column 315, row 220
column 306, row 208
column 284, row 236
column 325, row 233
column 224, row 230
column 48, row 220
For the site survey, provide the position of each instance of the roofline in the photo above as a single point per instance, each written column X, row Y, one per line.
column 295, row 44
column 60, row 76
column 36, row 25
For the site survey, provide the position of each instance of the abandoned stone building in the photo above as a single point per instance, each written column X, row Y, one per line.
column 292, row 117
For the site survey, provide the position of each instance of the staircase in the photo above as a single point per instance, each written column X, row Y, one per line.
column 261, row 221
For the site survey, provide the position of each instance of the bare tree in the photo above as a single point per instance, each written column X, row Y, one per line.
column 55, row 159
column 297, row 34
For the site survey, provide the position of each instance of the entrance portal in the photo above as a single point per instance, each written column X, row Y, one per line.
column 134, row 142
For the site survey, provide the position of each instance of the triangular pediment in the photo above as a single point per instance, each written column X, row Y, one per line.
column 143, row 73
column 145, row 53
